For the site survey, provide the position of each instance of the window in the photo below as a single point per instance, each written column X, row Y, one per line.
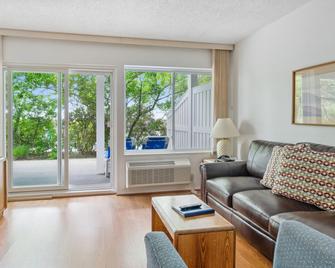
column 168, row 109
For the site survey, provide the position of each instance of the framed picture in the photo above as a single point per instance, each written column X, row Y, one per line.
column 314, row 95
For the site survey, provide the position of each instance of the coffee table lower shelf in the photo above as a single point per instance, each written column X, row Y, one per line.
column 206, row 248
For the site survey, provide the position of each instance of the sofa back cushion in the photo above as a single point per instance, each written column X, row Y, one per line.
column 307, row 176
column 319, row 147
column 260, row 152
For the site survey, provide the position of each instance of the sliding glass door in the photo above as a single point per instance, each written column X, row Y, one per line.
column 35, row 128
column 59, row 129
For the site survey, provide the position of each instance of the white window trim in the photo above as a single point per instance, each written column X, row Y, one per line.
column 165, row 152
column 166, row 69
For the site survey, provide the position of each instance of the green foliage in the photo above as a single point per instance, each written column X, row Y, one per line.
column 21, row 152
column 53, row 154
column 34, row 114
column 147, row 94
column 204, row 79
column 148, row 101
column 82, row 114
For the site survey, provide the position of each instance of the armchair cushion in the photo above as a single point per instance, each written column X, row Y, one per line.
column 161, row 253
column 223, row 188
column 301, row 246
column 323, row 221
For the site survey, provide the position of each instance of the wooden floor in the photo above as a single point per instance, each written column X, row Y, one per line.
column 100, row 231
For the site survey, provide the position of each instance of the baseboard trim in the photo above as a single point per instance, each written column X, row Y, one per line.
column 57, row 194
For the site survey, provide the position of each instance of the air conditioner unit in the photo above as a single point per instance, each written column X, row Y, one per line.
column 148, row 173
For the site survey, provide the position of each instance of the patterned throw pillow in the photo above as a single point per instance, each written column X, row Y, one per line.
column 272, row 169
column 274, row 164
column 307, row 176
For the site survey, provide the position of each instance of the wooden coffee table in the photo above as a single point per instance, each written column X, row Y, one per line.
column 202, row 241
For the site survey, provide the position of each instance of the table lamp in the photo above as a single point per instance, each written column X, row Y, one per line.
column 223, row 130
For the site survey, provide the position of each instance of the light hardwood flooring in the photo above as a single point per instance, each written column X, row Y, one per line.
column 100, row 231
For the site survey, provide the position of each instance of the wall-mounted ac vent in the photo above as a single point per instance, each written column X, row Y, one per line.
column 148, row 173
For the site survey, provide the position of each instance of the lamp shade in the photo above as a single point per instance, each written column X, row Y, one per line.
column 224, row 128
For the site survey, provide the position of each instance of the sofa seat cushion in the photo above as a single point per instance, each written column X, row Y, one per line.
column 259, row 206
column 323, row 221
column 223, row 188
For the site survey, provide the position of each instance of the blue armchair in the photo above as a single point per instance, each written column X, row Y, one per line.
column 161, row 253
column 300, row 246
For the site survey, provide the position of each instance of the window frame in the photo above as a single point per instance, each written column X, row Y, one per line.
column 172, row 71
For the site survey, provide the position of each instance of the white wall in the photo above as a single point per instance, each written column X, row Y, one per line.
column 262, row 65
column 35, row 51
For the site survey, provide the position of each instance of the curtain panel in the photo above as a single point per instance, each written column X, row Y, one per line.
column 220, row 76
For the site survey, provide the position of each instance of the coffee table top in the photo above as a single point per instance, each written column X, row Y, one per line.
column 176, row 224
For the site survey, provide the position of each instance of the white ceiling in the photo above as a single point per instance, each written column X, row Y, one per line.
column 215, row 21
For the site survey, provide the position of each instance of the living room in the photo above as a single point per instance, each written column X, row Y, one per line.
column 110, row 118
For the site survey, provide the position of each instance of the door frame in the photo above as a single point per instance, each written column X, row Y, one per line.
column 66, row 70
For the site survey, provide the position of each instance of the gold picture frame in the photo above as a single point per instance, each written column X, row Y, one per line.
column 314, row 95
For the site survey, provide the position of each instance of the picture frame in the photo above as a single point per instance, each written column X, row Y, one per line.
column 313, row 98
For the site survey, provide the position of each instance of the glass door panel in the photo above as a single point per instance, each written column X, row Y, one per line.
column 35, row 131
column 89, row 129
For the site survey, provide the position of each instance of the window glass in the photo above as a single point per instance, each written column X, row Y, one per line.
column 167, row 110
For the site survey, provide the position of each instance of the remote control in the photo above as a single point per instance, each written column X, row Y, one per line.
column 190, row 207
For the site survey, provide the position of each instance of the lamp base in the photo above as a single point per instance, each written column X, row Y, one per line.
column 221, row 147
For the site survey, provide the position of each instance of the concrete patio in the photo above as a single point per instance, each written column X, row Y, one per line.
column 44, row 172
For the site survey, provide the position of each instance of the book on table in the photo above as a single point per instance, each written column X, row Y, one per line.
column 193, row 210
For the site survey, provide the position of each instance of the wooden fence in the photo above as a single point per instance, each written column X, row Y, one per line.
column 193, row 119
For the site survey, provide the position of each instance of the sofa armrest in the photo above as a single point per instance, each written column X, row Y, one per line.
column 161, row 253
column 224, row 169
column 220, row 169
column 301, row 246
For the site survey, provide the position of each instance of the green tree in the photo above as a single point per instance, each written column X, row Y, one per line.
column 34, row 115
column 148, row 102
column 147, row 94
column 82, row 114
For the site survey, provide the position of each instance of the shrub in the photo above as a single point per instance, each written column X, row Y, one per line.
column 53, row 155
column 21, row 152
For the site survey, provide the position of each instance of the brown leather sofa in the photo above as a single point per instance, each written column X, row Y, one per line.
column 233, row 189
